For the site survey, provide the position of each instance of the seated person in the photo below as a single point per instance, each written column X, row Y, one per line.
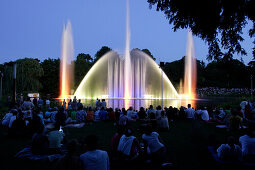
column 111, row 114
column 128, row 145
column 90, row 115
column 234, row 120
column 55, row 137
column 103, row 114
column 13, row 117
column 7, row 118
column 248, row 143
column 94, row 159
column 70, row 161
column 19, row 127
column 203, row 113
column 35, row 122
column 141, row 113
column 61, row 117
column 163, row 122
column 40, row 142
column 116, row 139
column 153, row 145
column 229, row 151
column 80, row 114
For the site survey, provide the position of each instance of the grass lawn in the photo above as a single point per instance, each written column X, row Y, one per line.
column 186, row 141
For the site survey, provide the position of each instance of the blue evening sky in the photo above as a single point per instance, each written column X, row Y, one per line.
column 33, row 28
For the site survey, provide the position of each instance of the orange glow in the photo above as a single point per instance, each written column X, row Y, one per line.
column 190, row 75
column 66, row 63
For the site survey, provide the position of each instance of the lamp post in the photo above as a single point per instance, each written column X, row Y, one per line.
column 1, row 85
column 161, row 65
column 251, row 86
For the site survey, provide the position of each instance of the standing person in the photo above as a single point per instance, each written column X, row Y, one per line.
column 70, row 104
column 248, row 143
column 94, row 159
column 103, row 114
column 35, row 101
column 47, row 103
column 74, row 104
column 103, row 103
column 151, row 112
column 123, row 119
column 40, row 102
column 98, row 105
column 158, row 112
column 190, row 113
column 64, row 104
column 141, row 113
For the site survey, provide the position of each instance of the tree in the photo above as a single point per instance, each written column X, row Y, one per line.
column 215, row 21
column 83, row 64
column 101, row 52
column 29, row 72
column 148, row 53
column 50, row 79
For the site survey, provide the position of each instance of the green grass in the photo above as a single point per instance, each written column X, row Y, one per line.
column 186, row 142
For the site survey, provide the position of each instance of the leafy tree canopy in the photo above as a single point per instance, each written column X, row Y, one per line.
column 219, row 22
column 101, row 52
column 149, row 53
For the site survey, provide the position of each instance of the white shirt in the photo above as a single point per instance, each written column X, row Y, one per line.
column 95, row 160
column 47, row 102
column 153, row 142
column 55, row 139
column 190, row 113
column 204, row 114
column 243, row 104
column 125, row 144
column 248, row 145
column 12, row 120
column 129, row 114
column 163, row 123
column 158, row 114
column 225, row 150
column 6, row 119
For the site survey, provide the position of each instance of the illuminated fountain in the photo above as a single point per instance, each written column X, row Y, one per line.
column 190, row 74
column 66, row 62
column 134, row 76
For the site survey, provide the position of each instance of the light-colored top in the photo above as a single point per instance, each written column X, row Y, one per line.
column 190, row 113
column 47, row 102
column 55, row 138
column 95, row 160
column 125, row 144
column 248, row 145
column 243, row 104
column 158, row 114
column 225, row 151
column 163, row 122
column 204, row 114
column 153, row 141
column 6, row 119
column 12, row 120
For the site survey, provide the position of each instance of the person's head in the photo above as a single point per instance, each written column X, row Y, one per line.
column 80, row 107
column 72, row 146
column 102, row 108
column 128, row 132
column 103, row 100
column 141, row 109
column 61, row 109
column 151, row 107
column 123, row 111
column 90, row 108
column 159, row 107
column 148, row 129
column 162, row 113
column 91, row 142
column 234, row 112
column 70, row 100
column 189, row 105
column 231, row 141
column 14, row 111
column 79, row 100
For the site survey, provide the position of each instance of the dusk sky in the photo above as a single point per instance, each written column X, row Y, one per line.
column 33, row 28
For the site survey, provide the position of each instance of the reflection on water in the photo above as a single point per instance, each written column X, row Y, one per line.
column 137, row 103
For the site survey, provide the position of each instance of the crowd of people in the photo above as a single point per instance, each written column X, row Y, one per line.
column 209, row 91
column 27, row 119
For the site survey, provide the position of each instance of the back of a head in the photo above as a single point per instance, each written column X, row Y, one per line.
column 189, row 105
column 231, row 141
column 151, row 107
column 148, row 129
column 159, row 107
column 91, row 142
column 61, row 109
column 128, row 132
column 71, row 146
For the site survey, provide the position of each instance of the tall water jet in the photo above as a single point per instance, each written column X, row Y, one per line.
column 66, row 61
column 128, row 76
column 190, row 74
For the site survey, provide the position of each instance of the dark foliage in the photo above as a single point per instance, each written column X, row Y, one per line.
column 219, row 22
